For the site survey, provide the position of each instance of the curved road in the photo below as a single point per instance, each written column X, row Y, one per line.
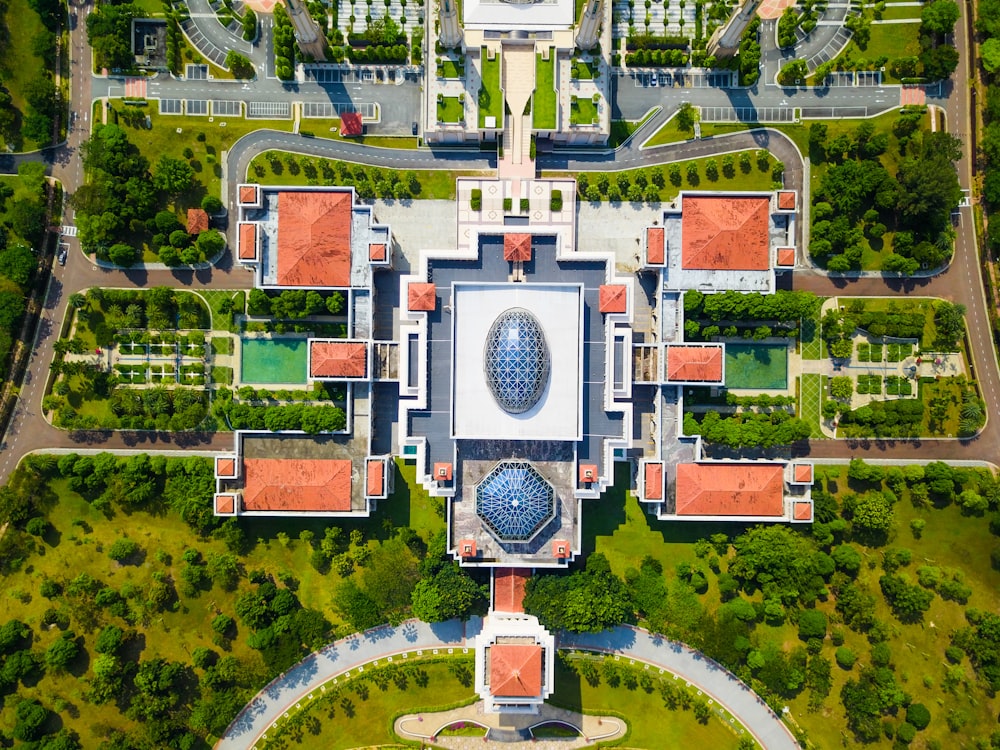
column 297, row 684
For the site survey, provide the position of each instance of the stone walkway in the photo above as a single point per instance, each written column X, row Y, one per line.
column 426, row 726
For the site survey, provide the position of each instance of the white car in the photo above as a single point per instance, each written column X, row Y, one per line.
column 652, row 80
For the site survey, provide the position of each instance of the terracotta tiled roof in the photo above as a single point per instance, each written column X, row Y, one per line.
column 350, row 124
column 517, row 246
column 588, row 473
column 376, row 477
column 613, row 298
column 248, row 241
column 724, row 489
column 653, row 481
column 225, row 504
column 508, row 589
column 338, row 359
column 288, row 484
column 249, row 193
column 786, row 200
column 225, row 467
column 725, row 233
column 422, row 297
column 560, row 549
column 786, row 256
column 689, row 364
column 314, row 238
column 376, row 251
column 654, row 245
column 197, row 220
column 467, row 548
column 803, row 472
column 803, row 511
column 515, row 670
column 442, row 471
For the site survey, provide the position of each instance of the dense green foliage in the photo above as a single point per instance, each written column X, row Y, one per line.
column 109, row 33
column 766, row 429
column 782, row 306
column 586, row 601
column 294, row 304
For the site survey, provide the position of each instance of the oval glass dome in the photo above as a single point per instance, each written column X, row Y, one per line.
column 516, row 360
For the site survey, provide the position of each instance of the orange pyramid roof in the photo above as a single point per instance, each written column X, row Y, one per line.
column 560, row 549
column 694, row 364
column 422, row 297
column 248, row 241
column 289, row 484
column 654, row 245
column 515, row 670
column 588, row 473
column 467, row 548
column 517, row 246
column 508, row 589
column 197, row 220
column 613, row 298
column 338, row 359
column 225, row 503
column 654, row 481
column 314, row 238
column 350, row 124
column 803, row 511
column 724, row 233
column 225, row 467
column 248, row 193
column 786, row 200
column 724, row 489
column 803, row 472
column 786, row 256
column 376, row 476
column 376, row 251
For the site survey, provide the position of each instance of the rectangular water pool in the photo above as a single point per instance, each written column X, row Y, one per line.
column 757, row 366
column 273, row 361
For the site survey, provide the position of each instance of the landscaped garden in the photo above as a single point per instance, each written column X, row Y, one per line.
column 450, row 109
column 583, row 111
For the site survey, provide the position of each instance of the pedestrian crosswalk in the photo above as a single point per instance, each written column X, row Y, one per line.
column 69, row 230
column 135, row 88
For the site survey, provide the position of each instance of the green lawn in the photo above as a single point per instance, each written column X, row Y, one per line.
column 672, row 133
column 892, row 40
column 895, row 12
column 216, row 298
column 450, row 109
column 582, row 111
column 812, row 346
column 19, row 66
column 543, row 102
column 450, row 69
column 434, row 183
column 925, row 307
column 622, row 130
column 490, row 95
column 583, row 70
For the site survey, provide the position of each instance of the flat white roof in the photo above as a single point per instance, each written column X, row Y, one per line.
column 497, row 15
column 558, row 415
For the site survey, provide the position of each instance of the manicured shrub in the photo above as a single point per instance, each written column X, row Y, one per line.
column 845, row 657
column 918, row 715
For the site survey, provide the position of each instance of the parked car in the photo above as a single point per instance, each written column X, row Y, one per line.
column 62, row 256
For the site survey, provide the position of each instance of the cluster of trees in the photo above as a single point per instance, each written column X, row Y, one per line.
column 109, row 33
column 306, row 417
column 284, row 44
column 22, row 229
column 44, row 102
column 900, row 418
column 157, row 308
column 988, row 25
column 368, row 182
column 782, row 306
column 586, row 601
column 749, row 55
column 858, row 201
column 658, row 58
column 642, row 184
column 45, row 107
column 294, row 304
column 401, row 577
column 748, row 429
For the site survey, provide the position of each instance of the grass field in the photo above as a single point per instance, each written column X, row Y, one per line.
column 450, row 109
column 583, row 111
column 622, row 130
column 490, row 96
column 543, row 102
column 761, row 366
column 18, row 63
column 672, row 133
column 450, row 69
column 892, row 40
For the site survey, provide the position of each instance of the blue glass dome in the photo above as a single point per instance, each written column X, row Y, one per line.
column 516, row 360
column 515, row 501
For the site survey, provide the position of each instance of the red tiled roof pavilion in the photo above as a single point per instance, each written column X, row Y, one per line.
column 725, row 233
column 508, row 589
column 653, row 484
column 289, row 484
column 197, row 220
column 248, row 241
column 694, row 364
column 654, row 245
column 422, row 297
column 613, row 298
column 314, row 238
column 351, row 125
column 376, row 477
column 338, row 359
column 516, row 670
column 517, row 246
column 730, row 489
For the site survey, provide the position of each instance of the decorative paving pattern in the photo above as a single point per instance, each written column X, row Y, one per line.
column 773, row 8
column 135, row 88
